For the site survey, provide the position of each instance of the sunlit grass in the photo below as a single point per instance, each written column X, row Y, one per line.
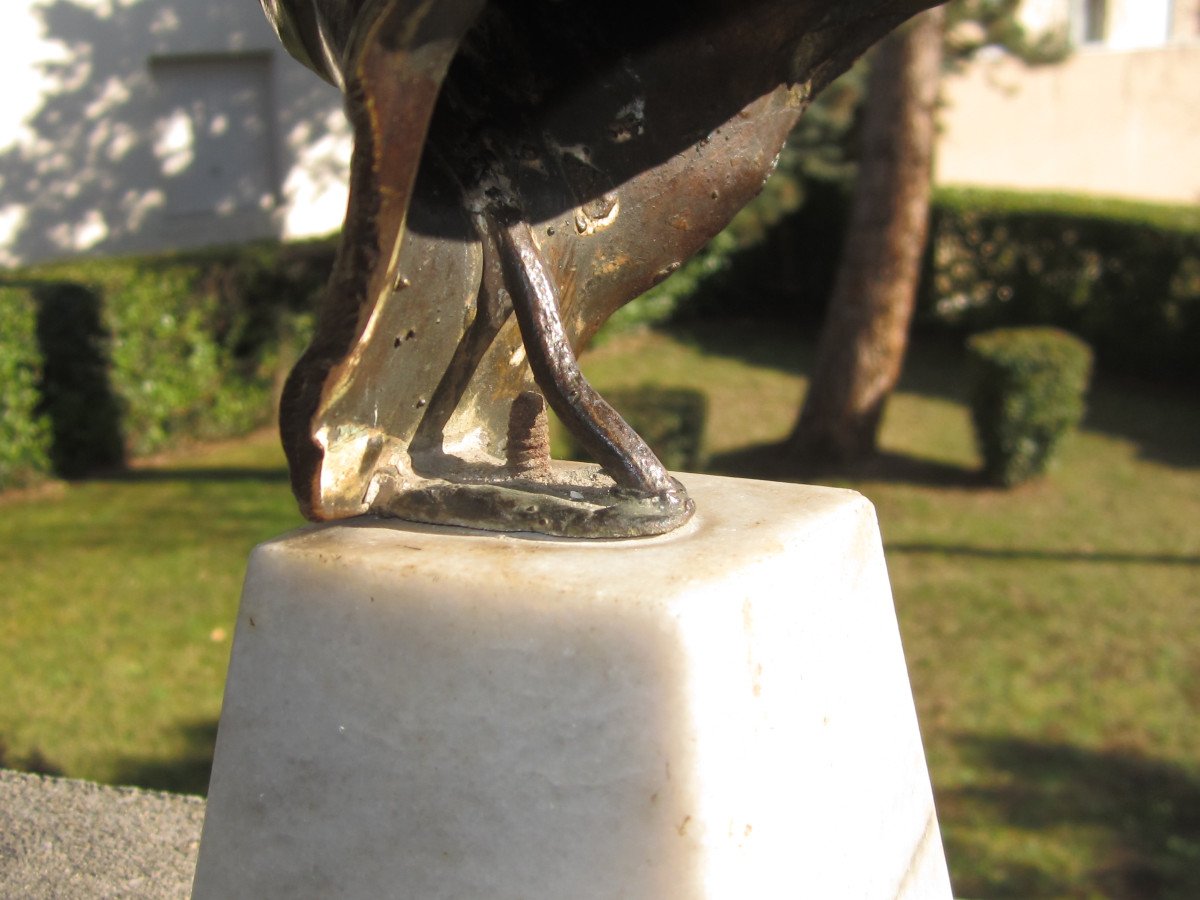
column 119, row 598
column 1052, row 632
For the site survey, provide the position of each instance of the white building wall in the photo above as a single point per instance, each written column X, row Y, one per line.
column 1138, row 25
column 131, row 125
column 1120, row 117
column 1046, row 15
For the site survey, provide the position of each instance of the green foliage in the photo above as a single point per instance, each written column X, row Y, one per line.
column 1027, row 388
column 972, row 25
column 1049, row 632
column 1124, row 276
column 824, row 143
column 171, row 367
column 143, row 352
column 24, row 433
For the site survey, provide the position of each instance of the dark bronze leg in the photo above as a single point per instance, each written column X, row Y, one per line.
column 598, row 427
column 526, row 494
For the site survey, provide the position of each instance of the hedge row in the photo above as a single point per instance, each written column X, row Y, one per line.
column 1124, row 276
column 104, row 358
column 101, row 359
column 24, row 433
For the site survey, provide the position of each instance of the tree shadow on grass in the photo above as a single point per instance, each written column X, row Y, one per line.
column 1162, row 420
column 786, row 348
column 186, row 773
column 1042, row 554
column 34, row 762
column 1148, row 810
column 773, row 462
column 933, row 365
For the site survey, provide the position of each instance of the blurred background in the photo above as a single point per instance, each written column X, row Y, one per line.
column 1004, row 357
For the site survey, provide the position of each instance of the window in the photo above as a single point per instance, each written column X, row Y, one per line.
column 1092, row 27
column 213, row 135
column 1128, row 24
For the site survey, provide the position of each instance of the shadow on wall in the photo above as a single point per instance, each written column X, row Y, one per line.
column 157, row 124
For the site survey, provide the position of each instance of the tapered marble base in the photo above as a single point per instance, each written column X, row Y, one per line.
column 721, row 712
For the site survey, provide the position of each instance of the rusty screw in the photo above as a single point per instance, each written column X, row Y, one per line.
column 528, row 453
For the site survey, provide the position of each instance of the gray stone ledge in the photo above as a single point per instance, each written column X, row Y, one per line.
column 61, row 838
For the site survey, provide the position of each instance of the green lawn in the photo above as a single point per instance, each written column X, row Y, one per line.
column 1052, row 632
column 119, row 597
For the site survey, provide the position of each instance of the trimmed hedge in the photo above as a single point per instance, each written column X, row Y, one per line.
column 139, row 353
column 131, row 355
column 1123, row 276
column 1026, row 389
column 24, row 433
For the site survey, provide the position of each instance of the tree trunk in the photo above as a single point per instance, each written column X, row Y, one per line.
column 865, row 335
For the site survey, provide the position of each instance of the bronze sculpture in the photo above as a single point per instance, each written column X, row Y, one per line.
column 523, row 168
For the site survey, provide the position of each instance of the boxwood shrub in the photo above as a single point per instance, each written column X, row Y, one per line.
column 1027, row 388
column 24, row 431
column 136, row 354
column 1122, row 275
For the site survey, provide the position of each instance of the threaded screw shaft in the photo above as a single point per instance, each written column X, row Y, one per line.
column 528, row 453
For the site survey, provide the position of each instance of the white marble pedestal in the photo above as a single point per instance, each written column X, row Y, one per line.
column 722, row 712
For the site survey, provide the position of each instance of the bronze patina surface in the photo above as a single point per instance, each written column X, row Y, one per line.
column 521, row 169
